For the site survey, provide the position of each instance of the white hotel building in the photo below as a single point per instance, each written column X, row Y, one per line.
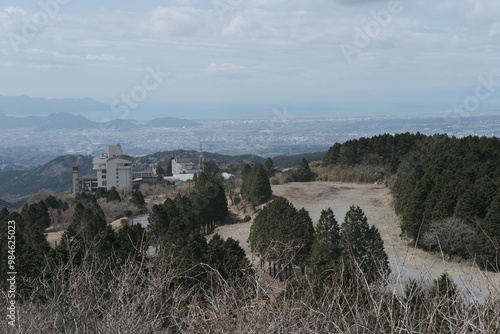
column 114, row 169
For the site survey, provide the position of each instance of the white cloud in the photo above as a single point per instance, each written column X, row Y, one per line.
column 174, row 21
column 225, row 68
column 484, row 9
column 15, row 11
column 52, row 58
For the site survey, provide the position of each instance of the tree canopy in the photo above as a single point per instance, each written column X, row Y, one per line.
column 256, row 187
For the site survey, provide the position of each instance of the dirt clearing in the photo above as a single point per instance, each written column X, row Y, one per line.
column 376, row 201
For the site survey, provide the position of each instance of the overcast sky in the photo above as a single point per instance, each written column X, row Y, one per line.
column 244, row 58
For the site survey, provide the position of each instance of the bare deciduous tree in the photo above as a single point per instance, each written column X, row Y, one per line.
column 451, row 236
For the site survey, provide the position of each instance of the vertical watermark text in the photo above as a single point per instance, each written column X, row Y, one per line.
column 11, row 273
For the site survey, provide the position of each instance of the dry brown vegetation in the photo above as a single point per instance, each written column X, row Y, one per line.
column 148, row 297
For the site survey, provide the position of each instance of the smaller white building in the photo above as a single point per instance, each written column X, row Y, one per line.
column 114, row 169
column 184, row 166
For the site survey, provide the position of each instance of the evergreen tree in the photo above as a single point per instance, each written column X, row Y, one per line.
column 227, row 257
column 176, row 237
column 487, row 244
column 101, row 193
column 88, row 235
column 302, row 237
column 256, row 187
column 269, row 165
column 138, row 199
column 362, row 246
column 261, row 188
column 131, row 243
column 332, row 155
column 113, row 195
column 30, row 251
column 159, row 222
column 209, row 200
column 282, row 235
column 3, row 213
column 325, row 250
column 36, row 214
column 303, row 172
column 190, row 257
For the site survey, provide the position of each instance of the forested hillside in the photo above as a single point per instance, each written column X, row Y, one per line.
column 54, row 175
column 446, row 190
column 447, row 178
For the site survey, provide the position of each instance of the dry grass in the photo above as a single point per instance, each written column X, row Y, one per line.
column 148, row 298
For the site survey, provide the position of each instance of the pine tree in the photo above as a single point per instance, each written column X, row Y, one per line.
column 362, row 246
column 159, row 222
column 282, row 235
column 487, row 245
column 302, row 237
column 138, row 198
column 325, row 250
column 260, row 188
column 303, row 172
column 113, row 195
column 210, row 201
column 332, row 156
column 269, row 165
column 227, row 257
column 131, row 242
column 176, row 237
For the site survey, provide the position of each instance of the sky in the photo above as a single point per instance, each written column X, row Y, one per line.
column 250, row 58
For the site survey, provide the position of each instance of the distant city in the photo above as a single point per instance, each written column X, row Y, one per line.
column 23, row 148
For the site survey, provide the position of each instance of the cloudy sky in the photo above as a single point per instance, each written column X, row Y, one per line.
column 246, row 58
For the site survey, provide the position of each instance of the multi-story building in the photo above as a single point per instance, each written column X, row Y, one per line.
column 184, row 166
column 114, row 169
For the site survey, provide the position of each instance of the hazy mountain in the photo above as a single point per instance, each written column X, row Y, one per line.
column 66, row 121
column 55, row 175
column 53, row 121
column 25, row 105
column 119, row 124
column 69, row 121
column 171, row 122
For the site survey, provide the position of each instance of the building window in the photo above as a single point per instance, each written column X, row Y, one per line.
column 104, row 171
column 104, row 183
column 103, row 177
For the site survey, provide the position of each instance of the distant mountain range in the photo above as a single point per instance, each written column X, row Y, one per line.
column 69, row 121
column 25, row 105
column 30, row 113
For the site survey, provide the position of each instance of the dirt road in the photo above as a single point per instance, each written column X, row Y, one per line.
column 376, row 201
